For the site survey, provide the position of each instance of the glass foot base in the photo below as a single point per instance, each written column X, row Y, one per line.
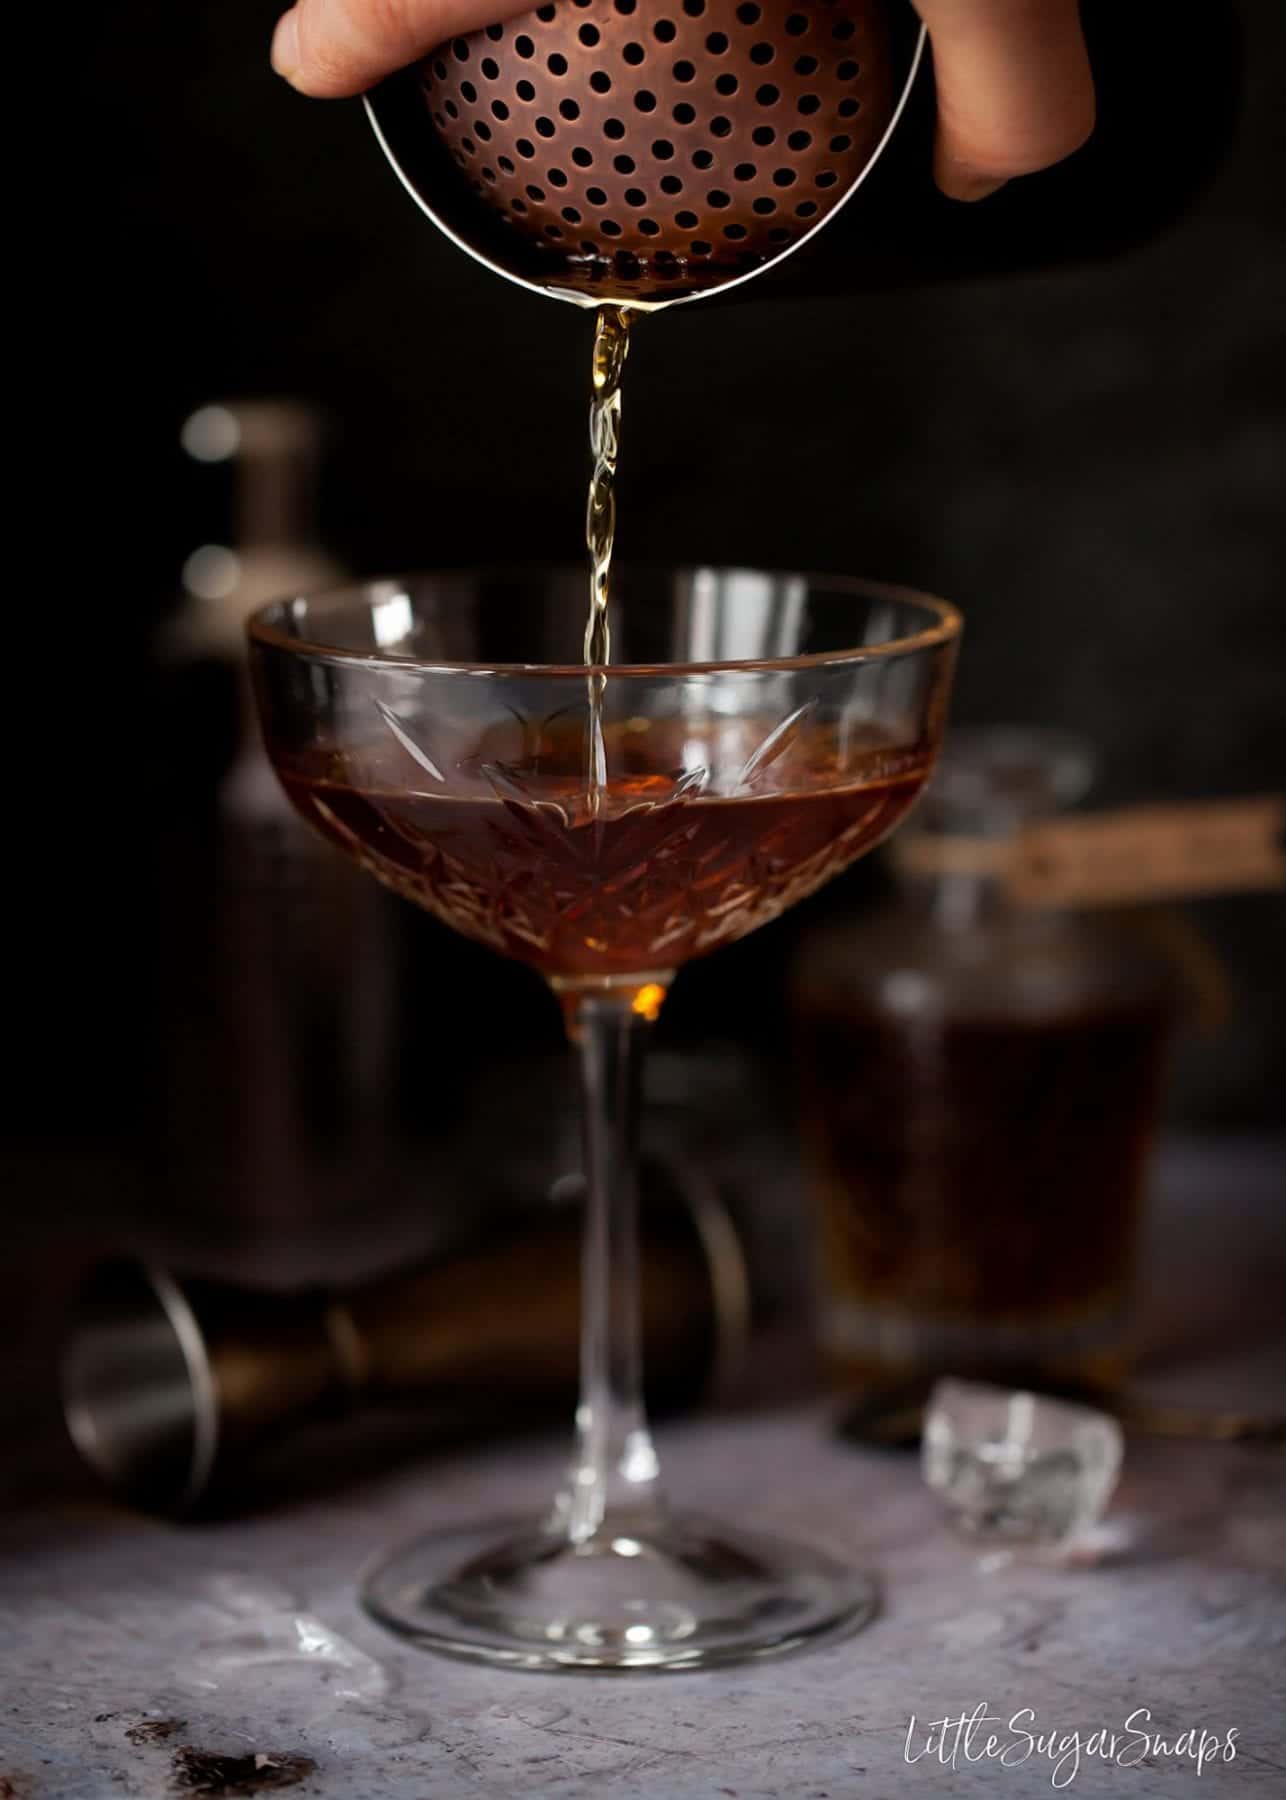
column 683, row 1593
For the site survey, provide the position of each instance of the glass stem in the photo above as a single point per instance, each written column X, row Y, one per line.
column 615, row 1476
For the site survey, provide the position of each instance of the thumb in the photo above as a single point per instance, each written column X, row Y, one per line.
column 1015, row 92
column 330, row 48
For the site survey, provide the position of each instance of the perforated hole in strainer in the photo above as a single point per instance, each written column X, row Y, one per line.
column 650, row 147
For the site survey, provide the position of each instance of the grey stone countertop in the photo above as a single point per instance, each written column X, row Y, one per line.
column 130, row 1650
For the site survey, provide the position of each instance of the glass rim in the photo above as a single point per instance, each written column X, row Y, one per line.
column 944, row 630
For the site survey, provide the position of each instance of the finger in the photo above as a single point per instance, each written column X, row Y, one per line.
column 329, row 48
column 1015, row 92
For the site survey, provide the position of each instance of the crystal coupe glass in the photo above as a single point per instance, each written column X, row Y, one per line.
column 759, row 733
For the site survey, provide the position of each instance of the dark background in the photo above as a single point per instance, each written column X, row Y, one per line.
column 1088, row 455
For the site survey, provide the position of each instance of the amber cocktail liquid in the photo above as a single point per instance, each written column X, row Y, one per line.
column 636, row 881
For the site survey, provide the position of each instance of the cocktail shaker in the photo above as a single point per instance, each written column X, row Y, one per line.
column 173, row 1387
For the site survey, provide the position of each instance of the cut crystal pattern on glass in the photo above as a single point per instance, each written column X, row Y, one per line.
column 702, row 831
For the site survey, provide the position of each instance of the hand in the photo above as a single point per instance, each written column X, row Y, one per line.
column 1015, row 92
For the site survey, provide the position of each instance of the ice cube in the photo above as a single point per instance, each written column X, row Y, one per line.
column 1019, row 1467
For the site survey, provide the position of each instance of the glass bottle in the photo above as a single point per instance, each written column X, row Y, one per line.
column 275, row 1024
column 979, row 1089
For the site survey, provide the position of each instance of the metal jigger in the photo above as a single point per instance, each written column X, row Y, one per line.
column 171, row 1386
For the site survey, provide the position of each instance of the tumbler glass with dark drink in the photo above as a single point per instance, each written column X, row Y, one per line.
column 980, row 1084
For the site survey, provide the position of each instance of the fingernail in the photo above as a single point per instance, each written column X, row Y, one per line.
column 977, row 187
column 959, row 182
column 285, row 45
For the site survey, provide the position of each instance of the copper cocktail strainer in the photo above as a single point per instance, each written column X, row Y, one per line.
column 648, row 150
